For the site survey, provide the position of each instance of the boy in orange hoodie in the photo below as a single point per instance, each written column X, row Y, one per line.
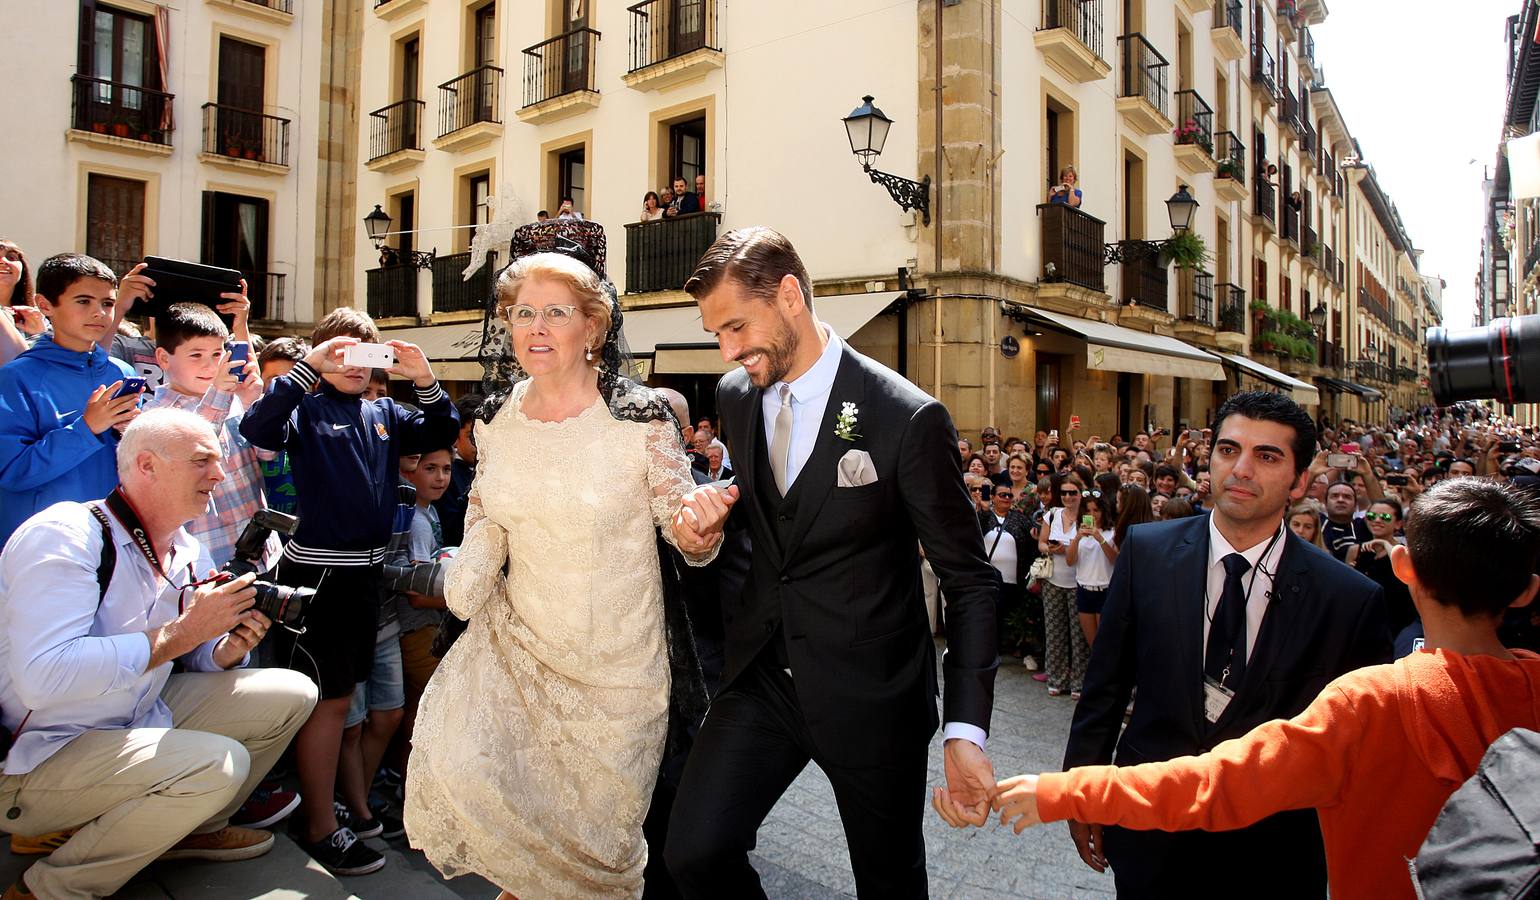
column 1381, row 749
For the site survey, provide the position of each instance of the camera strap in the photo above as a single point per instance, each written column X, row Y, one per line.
column 123, row 511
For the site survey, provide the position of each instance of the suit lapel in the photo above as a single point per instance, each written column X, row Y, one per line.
column 817, row 476
column 750, row 427
column 1189, row 573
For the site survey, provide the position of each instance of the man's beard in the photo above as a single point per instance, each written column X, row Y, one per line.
column 778, row 353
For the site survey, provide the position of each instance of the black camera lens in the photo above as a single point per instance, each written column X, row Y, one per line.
column 1498, row 361
column 283, row 605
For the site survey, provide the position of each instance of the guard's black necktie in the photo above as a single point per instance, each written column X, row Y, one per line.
column 1227, row 633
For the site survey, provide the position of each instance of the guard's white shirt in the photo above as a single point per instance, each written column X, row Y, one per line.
column 75, row 665
column 1259, row 593
column 809, row 399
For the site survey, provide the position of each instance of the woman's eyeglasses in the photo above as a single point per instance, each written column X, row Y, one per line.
column 1004, row 494
column 1069, row 493
column 1379, row 517
column 522, row 315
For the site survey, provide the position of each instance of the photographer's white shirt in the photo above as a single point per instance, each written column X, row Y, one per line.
column 74, row 665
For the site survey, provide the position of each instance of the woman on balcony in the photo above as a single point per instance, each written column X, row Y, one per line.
column 652, row 208
column 1067, row 191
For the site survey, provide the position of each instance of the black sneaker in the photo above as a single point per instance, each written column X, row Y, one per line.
column 342, row 853
column 391, row 826
column 363, row 828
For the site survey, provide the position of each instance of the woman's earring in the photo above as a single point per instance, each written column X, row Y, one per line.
column 589, row 352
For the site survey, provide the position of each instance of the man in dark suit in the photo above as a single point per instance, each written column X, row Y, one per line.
column 829, row 653
column 1222, row 622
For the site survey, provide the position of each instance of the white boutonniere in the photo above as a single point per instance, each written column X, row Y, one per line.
column 845, row 422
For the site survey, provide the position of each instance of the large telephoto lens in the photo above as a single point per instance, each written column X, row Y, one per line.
column 1500, row 361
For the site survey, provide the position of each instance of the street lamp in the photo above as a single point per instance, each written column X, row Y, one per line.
column 1180, row 209
column 867, row 127
column 377, row 226
column 1318, row 318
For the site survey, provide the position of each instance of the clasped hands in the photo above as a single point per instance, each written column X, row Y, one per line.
column 968, row 800
column 697, row 525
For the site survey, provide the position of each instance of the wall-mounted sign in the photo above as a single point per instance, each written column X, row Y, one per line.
column 1009, row 347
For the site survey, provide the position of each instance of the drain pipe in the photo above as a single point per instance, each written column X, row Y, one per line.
column 938, row 204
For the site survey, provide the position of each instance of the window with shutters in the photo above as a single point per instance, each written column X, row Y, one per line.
column 115, row 220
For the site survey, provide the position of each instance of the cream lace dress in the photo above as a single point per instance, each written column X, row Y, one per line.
column 539, row 736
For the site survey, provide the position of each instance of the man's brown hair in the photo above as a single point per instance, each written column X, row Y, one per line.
column 754, row 258
column 345, row 321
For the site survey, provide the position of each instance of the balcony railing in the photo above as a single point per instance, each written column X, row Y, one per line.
column 664, row 29
column 1289, row 114
column 661, row 255
column 561, row 65
column 452, row 293
column 1144, row 281
column 1306, row 47
column 1289, row 228
column 1263, row 70
column 1144, row 71
column 265, row 291
column 1307, row 242
column 1331, row 355
column 391, row 291
column 1329, row 262
column 476, row 96
column 1072, row 246
column 243, row 134
column 1231, row 154
column 1266, row 201
column 1230, row 13
column 1375, row 308
column 1195, row 121
column 1307, row 137
column 1197, row 297
column 279, row 5
column 121, row 110
column 1083, row 19
column 1232, row 307
column 395, row 128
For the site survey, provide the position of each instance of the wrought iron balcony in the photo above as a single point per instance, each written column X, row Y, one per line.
column 1306, row 48
column 1265, row 201
column 243, row 134
column 121, row 110
column 1231, row 154
column 1082, row 18
column 391, row 291
column 1230, row 14
column 1289, row 113
column 1145, row 72
column 395, row 128
column 1197, row 296
column 1232, row 307
column 1144, row 281
column 279, row 5
column 1072, row 246
column 265, row 291
column 661, row 255
column 1289, row 228
column 560, row 65
column 1195, row 121
column 662, row 30
column 1307, row 242
column 452, row 293
column 476, row 96
column 1264, row 72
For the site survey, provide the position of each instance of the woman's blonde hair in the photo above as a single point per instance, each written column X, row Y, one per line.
column 1069, row 170
column 1308, row 507
column 592, row 300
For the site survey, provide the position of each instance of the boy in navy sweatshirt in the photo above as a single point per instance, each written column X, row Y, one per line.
column 343, row 453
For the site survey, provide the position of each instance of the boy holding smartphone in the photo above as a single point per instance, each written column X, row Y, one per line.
column 344, row 456
column 59, row 419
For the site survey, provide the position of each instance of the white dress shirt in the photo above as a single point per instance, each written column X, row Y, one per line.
column 76, row 665
column 809, row 399
column 1258, row 592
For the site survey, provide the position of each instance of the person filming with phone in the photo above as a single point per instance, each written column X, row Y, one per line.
column 99, row 735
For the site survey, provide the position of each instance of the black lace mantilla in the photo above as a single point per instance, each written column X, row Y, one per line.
column 628, row 401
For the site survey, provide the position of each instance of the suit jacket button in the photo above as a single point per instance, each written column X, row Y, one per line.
column 785, row 579
column 782, row 518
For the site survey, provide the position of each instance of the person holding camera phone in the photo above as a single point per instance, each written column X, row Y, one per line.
column 1067, row 191
column 1372, row 557
column 99, row 730
column 60, row 407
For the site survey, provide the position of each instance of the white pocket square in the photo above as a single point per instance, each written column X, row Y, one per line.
column 856, row 469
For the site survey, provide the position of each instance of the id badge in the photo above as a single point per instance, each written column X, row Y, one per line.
column 1215, row 698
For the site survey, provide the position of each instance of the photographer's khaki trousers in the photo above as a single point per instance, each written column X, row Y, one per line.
column 136, row 792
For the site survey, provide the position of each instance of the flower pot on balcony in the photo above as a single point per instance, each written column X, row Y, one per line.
column 99, row 127
column 120, row 129
column 253, row 153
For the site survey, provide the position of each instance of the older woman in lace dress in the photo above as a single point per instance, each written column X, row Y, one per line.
column 540, row 734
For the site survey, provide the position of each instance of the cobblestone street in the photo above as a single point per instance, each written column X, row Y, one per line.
column 801, row 855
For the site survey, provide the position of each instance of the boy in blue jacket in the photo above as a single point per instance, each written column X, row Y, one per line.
column 343, row 454
column 59, row 423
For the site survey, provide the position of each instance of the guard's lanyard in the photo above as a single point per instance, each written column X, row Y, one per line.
column 123, row 510
column 1250, row 586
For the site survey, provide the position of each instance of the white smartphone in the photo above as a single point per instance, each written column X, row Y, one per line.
column 1341, row 460
column 369, row 356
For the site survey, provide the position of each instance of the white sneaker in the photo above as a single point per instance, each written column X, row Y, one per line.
column 1030, row 662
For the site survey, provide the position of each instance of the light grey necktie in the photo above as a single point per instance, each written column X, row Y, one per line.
column 780, row 441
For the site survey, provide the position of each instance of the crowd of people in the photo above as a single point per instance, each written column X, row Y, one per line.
column 529, row 705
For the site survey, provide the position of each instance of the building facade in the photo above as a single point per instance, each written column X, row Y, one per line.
column 186, row 131
column 1014, row 311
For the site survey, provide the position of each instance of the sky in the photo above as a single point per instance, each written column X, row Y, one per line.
column 1422, row 84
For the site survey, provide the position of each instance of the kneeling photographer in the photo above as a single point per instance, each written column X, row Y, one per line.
column 96, row 602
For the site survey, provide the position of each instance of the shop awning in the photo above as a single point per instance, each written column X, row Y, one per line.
column 1303, row 393
column 672, row 336
column 453, row 350
column 1342, row 385
column 1113, row 348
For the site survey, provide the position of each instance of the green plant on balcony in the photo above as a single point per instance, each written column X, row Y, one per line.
column 1230, row 168
column 1189, row 133
column 1187, row 250
column 1232, row 317
column 1286, row 345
